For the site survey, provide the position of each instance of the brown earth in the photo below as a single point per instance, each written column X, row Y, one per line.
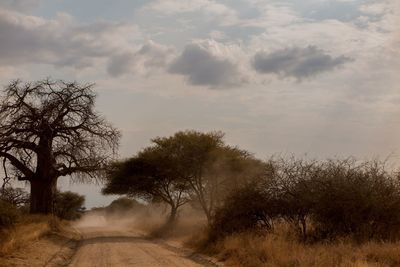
column 103, row 246
column 95, row 241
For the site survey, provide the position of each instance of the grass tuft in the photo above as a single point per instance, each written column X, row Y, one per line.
column 29, row 229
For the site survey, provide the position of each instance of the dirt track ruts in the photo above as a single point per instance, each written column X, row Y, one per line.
column 104, row 247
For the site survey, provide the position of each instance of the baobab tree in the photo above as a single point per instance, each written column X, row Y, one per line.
column 50, row 129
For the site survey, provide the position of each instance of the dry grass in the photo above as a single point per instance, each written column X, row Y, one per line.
column 30, row 229
column 38, row 241
column 281, row 249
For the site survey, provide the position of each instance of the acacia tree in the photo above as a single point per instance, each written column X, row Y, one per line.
column 50, row 129
column 151, row 175
column 191, row 151
column 211, row 168
column 189, row 165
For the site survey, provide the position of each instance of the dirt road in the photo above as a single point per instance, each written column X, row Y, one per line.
column 102, row 246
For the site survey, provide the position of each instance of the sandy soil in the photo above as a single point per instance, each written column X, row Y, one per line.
column 94, row 241
column 103, row 245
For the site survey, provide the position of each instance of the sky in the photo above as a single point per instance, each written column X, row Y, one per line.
column 317, row 77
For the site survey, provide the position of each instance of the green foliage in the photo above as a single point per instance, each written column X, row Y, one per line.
column 9, row 214
column 190, row 150
column 68, row 205
column 151, row 175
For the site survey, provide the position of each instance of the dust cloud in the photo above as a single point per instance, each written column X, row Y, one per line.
column 146, row 220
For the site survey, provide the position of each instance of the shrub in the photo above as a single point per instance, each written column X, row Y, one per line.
column 9, row 214
column 320, row 199
column 339, row 198
column 362, row 200
column 68, row 205
column 293, row 187
column 15, row 196
column 248, row 208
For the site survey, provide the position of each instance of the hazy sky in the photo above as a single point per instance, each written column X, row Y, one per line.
column 277, row 76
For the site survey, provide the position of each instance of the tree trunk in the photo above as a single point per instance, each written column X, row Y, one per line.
column 172, row 215
column 209, row 217
column 304, row 228
column 42, row 195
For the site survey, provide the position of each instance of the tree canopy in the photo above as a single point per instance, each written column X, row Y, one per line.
column 150, row 175
column 187, row 166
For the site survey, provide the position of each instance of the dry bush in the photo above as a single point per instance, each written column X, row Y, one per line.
column 361, row 200
column 28, row 229
column 281, row 249
column 248, row 208
column 15, row 196
column 68, row 205
column 322, row 200
column 346, row 212
column 9, row 214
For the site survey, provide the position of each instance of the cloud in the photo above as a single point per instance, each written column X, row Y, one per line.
column 148, row 58
column 211, row 9
column 63, row 42
column 375, row 8
column 296, row 62
column 207, row 64
column 59, row 41
column 20, row 5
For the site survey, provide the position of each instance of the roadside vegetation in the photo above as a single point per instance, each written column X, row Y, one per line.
column 48, row 129
column 310, row 213
column 19, row 228
column 336, row 212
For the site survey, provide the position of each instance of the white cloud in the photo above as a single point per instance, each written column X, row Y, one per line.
column 211, row 9
column 271, row 15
